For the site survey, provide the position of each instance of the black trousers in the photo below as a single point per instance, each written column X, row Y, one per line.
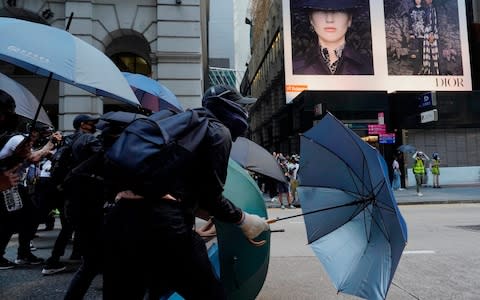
column 155, row 250
column 64, row 237
column 22, row 222
column 11, row 223
column 91, row 248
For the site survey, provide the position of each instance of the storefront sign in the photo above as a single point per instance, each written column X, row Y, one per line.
column 429, row 116
column 377, row 128
column 386, row 138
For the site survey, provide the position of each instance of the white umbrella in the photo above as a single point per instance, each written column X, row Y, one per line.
column 59, row 55
column 26, row 103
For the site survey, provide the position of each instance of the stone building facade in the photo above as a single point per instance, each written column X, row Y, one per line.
column 165, row 39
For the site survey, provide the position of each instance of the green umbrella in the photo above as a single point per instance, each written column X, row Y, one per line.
column 243, row 266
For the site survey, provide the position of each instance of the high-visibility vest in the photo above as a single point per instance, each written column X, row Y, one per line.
column 436, row 167
column 418, row 168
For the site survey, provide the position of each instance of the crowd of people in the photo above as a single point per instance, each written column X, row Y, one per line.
column 41, row 170
column 285, row 192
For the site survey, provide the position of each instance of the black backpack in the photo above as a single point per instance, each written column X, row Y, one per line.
column 62, row 160
column 151, row 151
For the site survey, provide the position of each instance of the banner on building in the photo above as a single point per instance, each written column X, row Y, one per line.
column 389, row 45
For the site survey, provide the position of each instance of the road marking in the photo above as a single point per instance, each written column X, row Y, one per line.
column 419, row 252
column 297, row 222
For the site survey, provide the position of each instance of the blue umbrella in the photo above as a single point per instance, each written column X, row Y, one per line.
column 57, row 54
column 406, row 148
column 152, row 94
column 353, row 223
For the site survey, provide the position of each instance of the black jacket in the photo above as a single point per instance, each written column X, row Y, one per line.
column 199, row 184
column 351, row 63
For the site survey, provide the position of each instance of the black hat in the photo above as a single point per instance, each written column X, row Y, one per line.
column 7, row 104
column 221, row 101
column 82, row 119
column 329, row 4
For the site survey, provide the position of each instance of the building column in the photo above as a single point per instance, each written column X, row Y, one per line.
column 181, row 49
column 72, row 100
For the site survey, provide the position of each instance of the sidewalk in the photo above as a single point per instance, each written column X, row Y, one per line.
column 443, row 195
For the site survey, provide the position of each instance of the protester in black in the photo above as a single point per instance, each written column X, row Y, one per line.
column 82, row 195
column 151, row 244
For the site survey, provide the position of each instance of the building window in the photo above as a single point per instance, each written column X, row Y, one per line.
column 129, row 62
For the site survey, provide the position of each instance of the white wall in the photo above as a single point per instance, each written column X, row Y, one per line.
column 450, row 176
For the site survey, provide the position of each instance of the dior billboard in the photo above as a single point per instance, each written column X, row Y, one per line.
column 394, row 45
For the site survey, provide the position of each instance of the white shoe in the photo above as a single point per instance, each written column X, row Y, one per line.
column 282, row 207
column 274, row 199
column 401, row 189
column 419, row 194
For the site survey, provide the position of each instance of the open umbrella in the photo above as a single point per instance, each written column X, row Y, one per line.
column 255, row 158
column 406, row 148
column 353, row 222
column 26, row 103
column 59, row 55
column 243, row 266
column 151, row 93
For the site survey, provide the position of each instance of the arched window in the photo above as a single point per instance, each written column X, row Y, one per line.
column 130, row 51
column 130, row 62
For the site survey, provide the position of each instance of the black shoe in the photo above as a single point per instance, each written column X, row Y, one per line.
column 53, row 267
column 30, row 259
column 5, row 264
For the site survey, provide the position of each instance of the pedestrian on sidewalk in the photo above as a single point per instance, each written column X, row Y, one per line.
column 435, row 169
column 396, row 174
column 419, row 169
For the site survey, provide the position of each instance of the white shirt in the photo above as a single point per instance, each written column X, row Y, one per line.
column 395, row 165
column 11, row 145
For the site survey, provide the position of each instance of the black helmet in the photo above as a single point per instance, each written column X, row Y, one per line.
column 221, row 101
column 329, row 4
column 7, row 104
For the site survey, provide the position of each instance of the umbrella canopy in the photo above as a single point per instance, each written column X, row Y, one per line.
column 353, row 223
column 151, row 93
column 255, row 158
column 26, row 103
column 406, row 148
column 46, row 50
column 243, row 266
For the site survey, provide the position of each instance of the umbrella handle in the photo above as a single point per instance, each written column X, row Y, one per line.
column 271, row 221
column 257, row 243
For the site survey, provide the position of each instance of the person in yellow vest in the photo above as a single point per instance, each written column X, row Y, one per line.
column 419, row 170
column 435, row 169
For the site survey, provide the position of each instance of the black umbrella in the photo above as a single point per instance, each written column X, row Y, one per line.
column 255, row 158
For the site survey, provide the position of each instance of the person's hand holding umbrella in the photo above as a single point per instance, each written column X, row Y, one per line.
column 252, row 226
